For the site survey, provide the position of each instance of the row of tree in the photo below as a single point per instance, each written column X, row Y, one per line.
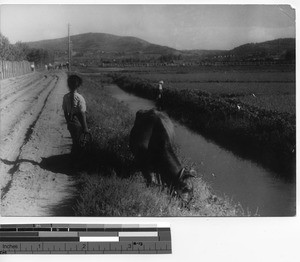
column 20, row 51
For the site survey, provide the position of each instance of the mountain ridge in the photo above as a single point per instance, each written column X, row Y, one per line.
column 101, row 41
column 97, row 43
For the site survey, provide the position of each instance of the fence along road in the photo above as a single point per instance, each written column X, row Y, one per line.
column 14, row 68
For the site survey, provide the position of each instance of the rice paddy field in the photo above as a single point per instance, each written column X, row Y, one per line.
column 267, row 88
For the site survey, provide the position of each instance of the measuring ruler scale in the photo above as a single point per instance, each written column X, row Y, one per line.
column 85, row 239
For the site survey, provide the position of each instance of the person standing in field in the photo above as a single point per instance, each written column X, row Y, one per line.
column 159, row 95
column 32, row 67
column 74, row 107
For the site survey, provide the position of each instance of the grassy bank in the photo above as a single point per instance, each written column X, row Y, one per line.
column 110, row 185
column 265, row 136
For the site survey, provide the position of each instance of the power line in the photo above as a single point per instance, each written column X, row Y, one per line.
column 69, row 48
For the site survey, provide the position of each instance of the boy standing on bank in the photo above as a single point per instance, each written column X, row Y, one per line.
column 74, row 107
column 159, row 95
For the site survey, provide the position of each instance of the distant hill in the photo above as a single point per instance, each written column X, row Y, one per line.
column 279, row 48
column 94, row 45
column 100, row 42
column 272, row 47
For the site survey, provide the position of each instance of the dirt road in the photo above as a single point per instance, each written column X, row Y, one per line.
column 34, row 146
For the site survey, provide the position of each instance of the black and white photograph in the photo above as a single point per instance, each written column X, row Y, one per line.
column 148, row 110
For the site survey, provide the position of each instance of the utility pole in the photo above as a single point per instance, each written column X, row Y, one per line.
column 69, row 48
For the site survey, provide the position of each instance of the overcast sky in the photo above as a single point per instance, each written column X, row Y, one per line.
column 177, row 26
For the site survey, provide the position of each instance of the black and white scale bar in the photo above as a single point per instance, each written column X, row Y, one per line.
column 125, row 247
column 85, row 239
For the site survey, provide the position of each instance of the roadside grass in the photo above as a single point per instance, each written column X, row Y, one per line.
column 110, row 195
column 110, row 184
column 109, row 122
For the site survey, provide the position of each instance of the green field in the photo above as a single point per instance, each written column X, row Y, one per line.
column 218, row 76
column 271, row 89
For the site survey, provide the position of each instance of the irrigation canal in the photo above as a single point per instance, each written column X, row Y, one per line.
column 257, row 189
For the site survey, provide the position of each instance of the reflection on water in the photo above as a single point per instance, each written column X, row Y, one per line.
column 245, row 182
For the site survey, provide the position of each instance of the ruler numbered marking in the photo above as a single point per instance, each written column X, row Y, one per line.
column 85, row 239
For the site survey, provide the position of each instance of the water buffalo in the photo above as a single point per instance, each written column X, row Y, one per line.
column 152, row 143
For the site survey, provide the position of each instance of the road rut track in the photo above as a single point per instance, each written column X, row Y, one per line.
column 16, row 94
column 9, row 87
column 18, row 118
column 26, row 105
column 32, row 185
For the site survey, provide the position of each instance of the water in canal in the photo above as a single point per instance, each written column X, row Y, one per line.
column 256, row 188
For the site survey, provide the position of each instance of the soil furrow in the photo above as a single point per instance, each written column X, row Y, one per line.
column 12, row 97
column 17, row 84
column 26, row 105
